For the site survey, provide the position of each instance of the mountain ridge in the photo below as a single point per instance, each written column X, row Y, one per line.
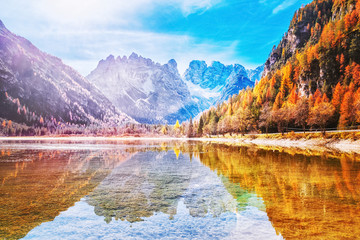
column 147, row 91
column 38, row 89
column 311, row 79
column 134, row 83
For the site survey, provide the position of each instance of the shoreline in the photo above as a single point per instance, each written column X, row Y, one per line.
column 341, row 145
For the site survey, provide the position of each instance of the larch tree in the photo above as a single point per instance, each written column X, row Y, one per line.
column 280, row 116
column 346, row 110
column 320, row 115
column 177, row 125
column 200, row 127
column 243, row 120
column 337, row 97
column 190, row 128
column 301, row 113
column 265, row 117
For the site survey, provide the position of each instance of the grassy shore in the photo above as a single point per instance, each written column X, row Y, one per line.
column 339, row 141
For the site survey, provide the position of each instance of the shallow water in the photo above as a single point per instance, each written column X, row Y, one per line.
column 175, row 190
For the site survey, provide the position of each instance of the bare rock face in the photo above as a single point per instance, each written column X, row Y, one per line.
column 216, row 83
column 154, row 93
column 147, row 91
column 41, row 85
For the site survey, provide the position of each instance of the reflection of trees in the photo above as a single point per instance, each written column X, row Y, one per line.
column 305, row 196
column 36, row 185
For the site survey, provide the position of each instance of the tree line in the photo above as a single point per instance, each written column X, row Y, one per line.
column 315, row 87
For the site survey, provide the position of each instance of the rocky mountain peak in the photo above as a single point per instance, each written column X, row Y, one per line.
column 216, row 82
column 133, row 56
column 197, row 64
column 45, row 88
column 172, row 63
column 217, row 64
column 2, row 25
column 149, row 92
column 110, row 58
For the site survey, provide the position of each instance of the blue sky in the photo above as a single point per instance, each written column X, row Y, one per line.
column 83, row 32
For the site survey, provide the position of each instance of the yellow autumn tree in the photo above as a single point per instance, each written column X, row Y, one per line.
column 164, row 130
column 177, row 125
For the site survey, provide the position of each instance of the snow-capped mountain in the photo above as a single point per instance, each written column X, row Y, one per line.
column 255, row 74
column 147, row 91
column 217, row 82
column 35, row 85
column 153, row 93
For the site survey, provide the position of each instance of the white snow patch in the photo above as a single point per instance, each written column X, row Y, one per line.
column 207, row 93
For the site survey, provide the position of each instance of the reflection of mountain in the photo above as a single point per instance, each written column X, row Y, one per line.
column 153, row 182
column 306, row 197
column 303, row 196
column 42, row 183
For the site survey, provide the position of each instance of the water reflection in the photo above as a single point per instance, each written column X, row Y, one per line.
column 306, row 196
column 36, row 185
column 153, row 182
column 165, row 190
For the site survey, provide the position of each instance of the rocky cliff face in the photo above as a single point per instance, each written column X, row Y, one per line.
column 306, row 26
column 255, row 74
column 217, row 82
column 154, row 93
column 147, row 91
column 34, row 84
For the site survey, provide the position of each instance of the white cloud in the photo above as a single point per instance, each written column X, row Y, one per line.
column 284, row 5
column 192, row 6
column 88, row 47
column 92, row 13
column 81, row 32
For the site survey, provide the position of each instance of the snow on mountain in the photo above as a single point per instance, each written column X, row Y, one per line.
column 215, row 83
column 255, row 74
column 40, row 85
column 147, row 91
column 154, row 93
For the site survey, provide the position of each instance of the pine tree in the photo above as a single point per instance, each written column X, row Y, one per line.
column 190, row 129
column 230, row 106
column 293, row 96
column 337, row 97
column 177, row 125
column 346, row 110
column 201, row 125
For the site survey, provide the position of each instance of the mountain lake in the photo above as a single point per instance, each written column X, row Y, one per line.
column 137, row 189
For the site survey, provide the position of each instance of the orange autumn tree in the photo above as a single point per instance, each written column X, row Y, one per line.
column 320, row 115
column 347, row 109
column 314, row 72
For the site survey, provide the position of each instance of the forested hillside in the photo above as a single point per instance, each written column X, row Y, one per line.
column 311, row 79
column 38, row 90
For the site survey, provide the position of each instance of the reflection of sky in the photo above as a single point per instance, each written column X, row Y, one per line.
column 204, row 209
column 80, row 222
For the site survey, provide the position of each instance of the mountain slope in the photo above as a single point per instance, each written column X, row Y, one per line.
column 36, row 88
column 310, row 81
column 217, row 82
column 154, row 93
column 255, row 74
column 147, row 91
